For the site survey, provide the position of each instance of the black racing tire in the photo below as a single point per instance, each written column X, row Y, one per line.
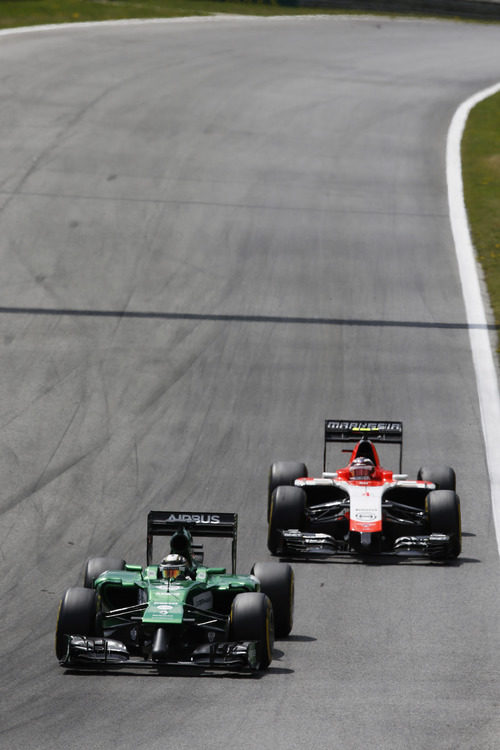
column 442, row 476
column 283, row 473
column 277, row 582
column 288, row 505
column 95, row 566
column 252, row 620
column 77, row 616
column 443, row 511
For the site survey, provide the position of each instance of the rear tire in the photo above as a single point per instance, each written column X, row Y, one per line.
column 95, row 566
column 287, row 511
column 252, row 620
column 443, row 509
column 442, row 476
column 77, row 616
column 283, row 473
column 277, row 582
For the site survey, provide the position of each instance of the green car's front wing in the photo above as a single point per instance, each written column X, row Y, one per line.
column 101, row 653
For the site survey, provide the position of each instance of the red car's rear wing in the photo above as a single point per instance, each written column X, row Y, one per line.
column 353, row 430
column 166, row 523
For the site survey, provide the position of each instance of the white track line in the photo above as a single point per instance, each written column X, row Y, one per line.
column 102, row 24
column 482, row 353
column 213, row 18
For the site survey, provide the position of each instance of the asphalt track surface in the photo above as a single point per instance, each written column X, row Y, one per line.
column 214, row 235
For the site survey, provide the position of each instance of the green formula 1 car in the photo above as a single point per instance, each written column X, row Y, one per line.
column 176, row 612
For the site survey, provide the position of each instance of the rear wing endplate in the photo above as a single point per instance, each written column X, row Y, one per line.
column 353, row 430
column 166, row 523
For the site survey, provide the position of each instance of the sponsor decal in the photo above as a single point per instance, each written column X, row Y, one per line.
column 357, row 426
column 366, row 515
column 365, row 509
column 210, row 518
column 164, row 608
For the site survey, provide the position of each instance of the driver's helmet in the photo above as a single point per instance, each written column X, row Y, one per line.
column 361, row 468
column 173, row 567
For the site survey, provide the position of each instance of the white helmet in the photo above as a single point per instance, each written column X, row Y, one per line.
column 172, row 567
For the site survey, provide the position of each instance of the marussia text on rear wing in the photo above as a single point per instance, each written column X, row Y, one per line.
column 166, row 523
column 353, row 430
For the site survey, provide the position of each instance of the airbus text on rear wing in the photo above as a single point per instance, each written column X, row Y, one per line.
column 166, row 523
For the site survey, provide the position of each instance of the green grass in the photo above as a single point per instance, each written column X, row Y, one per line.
column 35, row 12
column 481, row 174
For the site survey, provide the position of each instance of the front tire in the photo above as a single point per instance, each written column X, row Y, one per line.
column 77, row 616
column 442, row 476
column 287, row 511
column 251, row 619
column 96, row 566
column 277, row 582
column 283, row 473
column 443, row 510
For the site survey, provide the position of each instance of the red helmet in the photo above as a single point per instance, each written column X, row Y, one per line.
column 361, row 468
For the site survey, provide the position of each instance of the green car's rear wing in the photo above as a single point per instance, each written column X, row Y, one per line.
column 166, row 523
column 354, row 430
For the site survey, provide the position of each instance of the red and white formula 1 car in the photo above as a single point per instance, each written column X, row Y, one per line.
column 363, row 508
